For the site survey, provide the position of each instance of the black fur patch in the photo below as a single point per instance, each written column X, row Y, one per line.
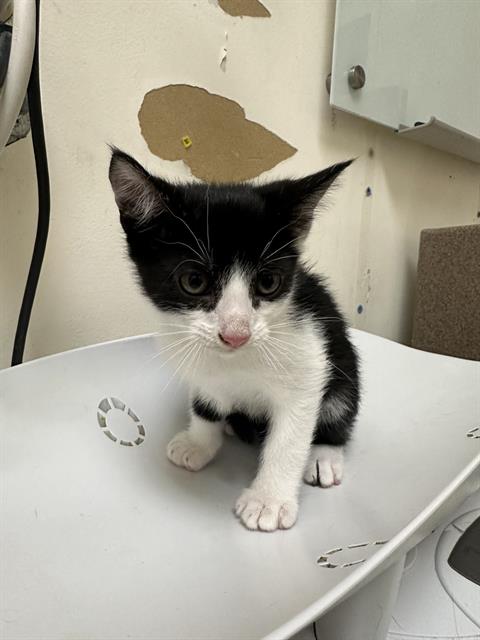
column 206, row 409
column 247, row 428
column 313, row 300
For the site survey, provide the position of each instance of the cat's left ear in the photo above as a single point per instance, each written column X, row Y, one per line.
column 297, row 199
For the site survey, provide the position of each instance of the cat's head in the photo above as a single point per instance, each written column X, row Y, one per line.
column 220, row 259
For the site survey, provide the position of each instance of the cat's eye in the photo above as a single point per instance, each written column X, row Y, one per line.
column 195, row 283
column 268, row 282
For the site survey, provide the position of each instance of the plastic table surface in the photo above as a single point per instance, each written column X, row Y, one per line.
column 103, row 539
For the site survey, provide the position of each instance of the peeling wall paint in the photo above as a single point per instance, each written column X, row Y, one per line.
column 240, row 8
column 222, row 58
column 224, row 146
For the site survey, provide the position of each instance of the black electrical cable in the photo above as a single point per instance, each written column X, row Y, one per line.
column 43, row 190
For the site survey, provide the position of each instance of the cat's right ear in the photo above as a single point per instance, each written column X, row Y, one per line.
column 139, row 196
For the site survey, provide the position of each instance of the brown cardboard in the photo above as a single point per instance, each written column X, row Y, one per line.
column 225, row 146
column 447, row 315
column 251, row 8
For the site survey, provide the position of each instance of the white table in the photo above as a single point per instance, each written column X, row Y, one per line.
column 105, row 541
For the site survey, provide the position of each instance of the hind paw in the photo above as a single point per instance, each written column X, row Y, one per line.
column 325, row 466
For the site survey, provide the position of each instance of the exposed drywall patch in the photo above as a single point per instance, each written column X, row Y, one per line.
column 250, row 8
column 224, row 145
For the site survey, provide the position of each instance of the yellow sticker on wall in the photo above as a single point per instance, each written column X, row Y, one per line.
column 186, row 141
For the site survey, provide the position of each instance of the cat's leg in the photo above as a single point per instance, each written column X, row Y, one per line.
column 271, row 502
column 335, row 420
column 195, row 447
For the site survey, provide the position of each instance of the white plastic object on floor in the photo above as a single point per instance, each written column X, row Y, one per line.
column 14, row 89
column 434, row 600
column 366, row 614
column 101, row 537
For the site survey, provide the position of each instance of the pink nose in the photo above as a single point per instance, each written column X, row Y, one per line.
column 233, row 339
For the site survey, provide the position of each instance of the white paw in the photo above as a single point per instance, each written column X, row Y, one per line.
column 325, row 466
column 260, row 512
column 184, row 452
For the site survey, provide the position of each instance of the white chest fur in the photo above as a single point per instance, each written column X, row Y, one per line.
column 257, row 378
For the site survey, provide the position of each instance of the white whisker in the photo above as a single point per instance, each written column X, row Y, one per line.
column 290, row 323
column 296, row 347
column 280, row 258
column 282, row 349
column 168, row 348
column 294, row 323
column 201, row 246
column 179, row 345
column 188, row 361
column 283, row 341
column 199, row 357
column 165, row 323
column 183, row 262
column 276, row 359
column 269, row 244
column 182, row 348
column 279, row 249
column 266, row 357
column 185, row 358
column 276, row 332
column 341, row 370
column 184, row 244
column 170, row 333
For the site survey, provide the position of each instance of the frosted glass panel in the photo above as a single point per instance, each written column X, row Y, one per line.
column 421, row 60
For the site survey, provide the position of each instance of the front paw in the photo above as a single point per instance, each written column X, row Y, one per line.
column 184, row 452
column 258, row 511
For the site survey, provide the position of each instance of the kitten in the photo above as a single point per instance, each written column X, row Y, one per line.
column 264, row 345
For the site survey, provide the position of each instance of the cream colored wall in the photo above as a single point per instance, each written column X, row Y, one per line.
column 98, row 60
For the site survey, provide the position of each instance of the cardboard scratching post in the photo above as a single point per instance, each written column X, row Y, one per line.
column 447, row 314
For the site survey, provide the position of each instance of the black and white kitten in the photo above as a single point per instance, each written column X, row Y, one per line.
column 262, row 343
